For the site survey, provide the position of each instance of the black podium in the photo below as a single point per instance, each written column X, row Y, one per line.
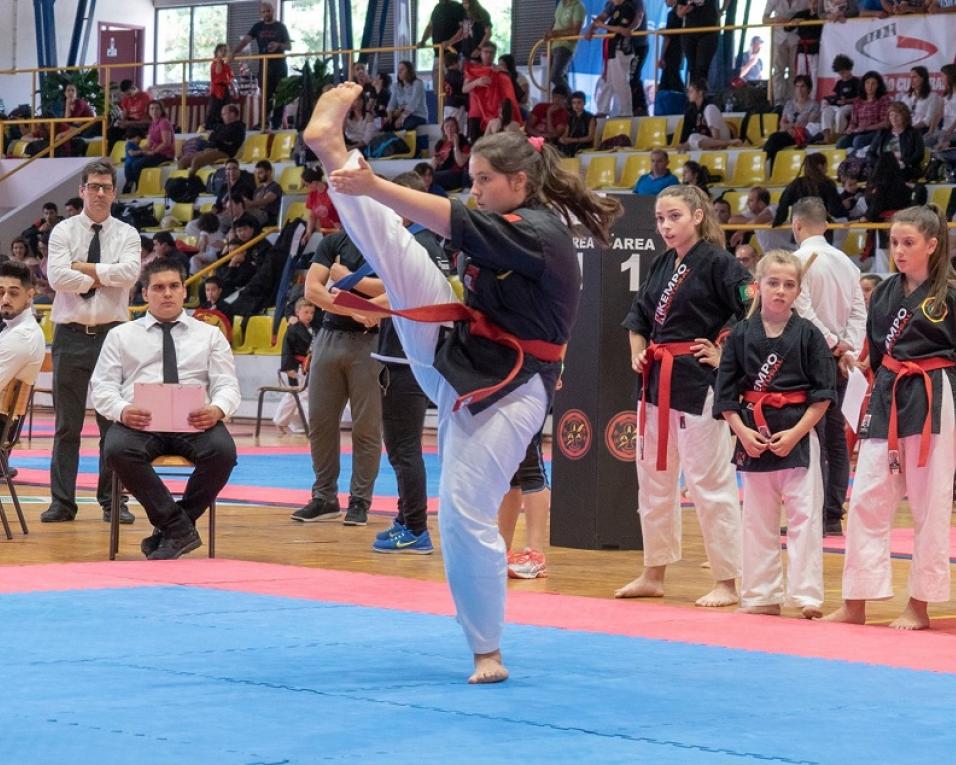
column 594, row 481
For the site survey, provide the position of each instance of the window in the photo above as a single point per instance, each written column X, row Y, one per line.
column 186, row 33
column 500, row 12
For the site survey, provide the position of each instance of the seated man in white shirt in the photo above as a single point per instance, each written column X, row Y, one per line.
column 22, row 346
column 167, row 346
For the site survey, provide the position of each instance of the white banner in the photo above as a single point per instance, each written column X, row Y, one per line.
column 889, row 46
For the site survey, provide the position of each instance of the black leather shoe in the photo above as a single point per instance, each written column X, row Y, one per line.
column 171, row 548
column 150, row 544
column 357, row 514
column 832, row 527
column 125, row 515
column 57, row 514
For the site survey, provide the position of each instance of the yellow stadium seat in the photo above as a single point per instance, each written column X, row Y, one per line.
column 757, row 135
column 203, row 173
column 786, row 166
column 94, row 147
column 855, row 241
column 615, row 126
column 19, row 149
column 237, row 322
column 834, row 158
column 940, row 197
column 634, row 167
column 677, row 160
column 737, row 201
column 254, row 148
column 206, row 207
column 291, row 179
column 150, row 183
column 572, row 165
column 715, row 162
column 46, row 324
column 601, row 171
column 178, row 174
column 749, row 169
column 283, row 143
column 734, row 123
column 119, row 152
column 678, row 129
column 295, row 210
column 258, row 337
column 651, row 133
column 179, row 141
column 182, row 212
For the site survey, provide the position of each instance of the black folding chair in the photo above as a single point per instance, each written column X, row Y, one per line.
column 13, row 409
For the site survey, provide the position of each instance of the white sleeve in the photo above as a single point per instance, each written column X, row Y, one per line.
column 107, row 380
column 60, row 271
column 223, row 383
column 125, row 271
column 856, row 323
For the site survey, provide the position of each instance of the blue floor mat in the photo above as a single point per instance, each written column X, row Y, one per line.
column 189, row 675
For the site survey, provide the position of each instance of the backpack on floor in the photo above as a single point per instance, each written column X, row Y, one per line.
column 386, row 145
column 184, row 189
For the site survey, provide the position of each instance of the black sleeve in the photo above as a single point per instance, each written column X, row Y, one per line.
column 730, row 372
column 876, row 147
column 254, row 32
column 733, row 284
column 820, row 368
column 497, row 241
column 637, row 320
column 327, row 251
column 284, row 34
column 914, row 157
column 783, row 206
column 690, row 120
column 831, row 198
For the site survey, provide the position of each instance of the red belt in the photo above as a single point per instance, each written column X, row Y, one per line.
column 773, row 399
column 906, row 369
column 663, row 353
column 479, row 325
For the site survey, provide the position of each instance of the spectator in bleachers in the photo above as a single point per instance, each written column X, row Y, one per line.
column 450, row 158
column 360, row 76
column 42, row 226
column 220, row 86
column 406, row 108
column 618, row 18
column 749, row 64
column 869, row 115
column 813, row 181
column 456, row 102
column 759, row 211
column 322, row 213
column 925, row 106
column 134, row 103
column 747, row 257
column 839, row 10
column 427, row 173
column 660, row 176
column 487, row 86
column 474, row 30
column 900, row 139
column 868, row 283
column 886, row 192
column 722, row 208
column 160, row 147
column 382, row 84
column 209, row 241
column 798, row 123
column 444, row 23
column 672, row 56
column 945, row 135
column 695, row 174
column 19, row 249
column 224, row 142
column 237, row 272
column 164, row 246
column 233, row 207
column 942, row 6
column 272, row 37
column 504, row 121
column 641, row 45
column 700, row 48
column 854, row 204
column 211, row 298
column 785, row 42
column 704, row 126
column 236, row 181
column 73, row 206
column 568, row 20
column 518, row 81
column 359, row 125
column 579, row 132
column 267, row 198
column 836, row 109
column 548, row 119
column 73, row 107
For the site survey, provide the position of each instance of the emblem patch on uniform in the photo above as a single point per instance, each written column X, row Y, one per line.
column 470, row 277
column 511, row 217
column 574, row 434
column 928, row 307
column 747, row 292
column 620, row 436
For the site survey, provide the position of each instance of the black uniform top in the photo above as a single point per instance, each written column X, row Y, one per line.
column 338, row 246
column 389, row 346
column 521, row 270
column 620, row 16
column 445, row 20
column 899, row 326
column 697, row 300
column 797, row 360
column 297, row 342
column 263, row 34
column 704, row 13
column 845, row 90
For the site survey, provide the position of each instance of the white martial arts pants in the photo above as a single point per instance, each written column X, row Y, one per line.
column 782, row 68
column 867, row 574
column 287, row 413
column 835, row 118
column 800, row 490
column 615, row 86
column 479, row 453
column 702, row 448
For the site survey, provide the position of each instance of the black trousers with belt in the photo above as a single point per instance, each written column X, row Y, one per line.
column 835, row 456
column 75, row 352
column 131, row 452
column 403, row 420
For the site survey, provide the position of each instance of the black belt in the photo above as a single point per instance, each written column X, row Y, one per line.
column 91, row 329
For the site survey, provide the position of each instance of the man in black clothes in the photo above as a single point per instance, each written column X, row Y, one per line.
column 267, row 197
column 271, row 37
column 225, row 140
column 238, row 181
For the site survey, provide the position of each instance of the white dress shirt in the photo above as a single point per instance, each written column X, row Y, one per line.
column 783, row 10
column 133, row 353
column 22, row 348
column 830, row 296
column 118, row 270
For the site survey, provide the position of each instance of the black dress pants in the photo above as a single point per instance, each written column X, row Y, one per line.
column 835, row 456
column 403, row 420
column 131, row 453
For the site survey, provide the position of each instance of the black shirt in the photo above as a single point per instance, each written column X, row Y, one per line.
column 704, row 14
column 297, row 342
column 454, row 81
column 264, row 34
column 272, row 209
column 446, row 18
column 228, row 138
column 338, row 247
column 845, row 90
column 620, row 16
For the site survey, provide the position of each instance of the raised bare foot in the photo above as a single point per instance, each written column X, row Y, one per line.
column 324, row 130
column 811, row 612
column 851, row 612
column 771, row 610
column 723, row 594
column 914, row 617
column 489, row 668
column 643, row 587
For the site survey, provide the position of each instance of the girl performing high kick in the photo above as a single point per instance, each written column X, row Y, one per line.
column 908, row 432
column 692, row 291
column 492, row 371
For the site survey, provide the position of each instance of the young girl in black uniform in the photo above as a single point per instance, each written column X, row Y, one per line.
column 691, row 292
column 908, row 432
column 774, row 384
column 492, row 368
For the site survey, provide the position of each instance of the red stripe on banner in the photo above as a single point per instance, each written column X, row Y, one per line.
column 914, row 43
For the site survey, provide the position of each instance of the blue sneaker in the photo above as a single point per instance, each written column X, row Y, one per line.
column 405, row 542
column 391, row 531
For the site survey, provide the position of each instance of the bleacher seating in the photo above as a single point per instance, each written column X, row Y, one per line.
column 601, row 172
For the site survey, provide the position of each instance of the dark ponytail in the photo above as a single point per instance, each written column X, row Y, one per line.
column 930, row 221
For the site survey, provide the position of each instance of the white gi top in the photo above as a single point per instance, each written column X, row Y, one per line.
column 118, row 270
column 831, row 296
column 133, row 353
column 782, row 10
column 22, row 349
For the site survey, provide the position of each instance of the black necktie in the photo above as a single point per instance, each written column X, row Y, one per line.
column 3, row 325
column 93, row 256
column 170, row 367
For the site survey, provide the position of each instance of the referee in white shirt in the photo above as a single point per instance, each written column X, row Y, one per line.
column 167, row 346
column 831, row 298
column 93, row 261
column 22, row 346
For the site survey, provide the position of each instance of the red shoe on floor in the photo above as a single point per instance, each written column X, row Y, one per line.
column 528, row 564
